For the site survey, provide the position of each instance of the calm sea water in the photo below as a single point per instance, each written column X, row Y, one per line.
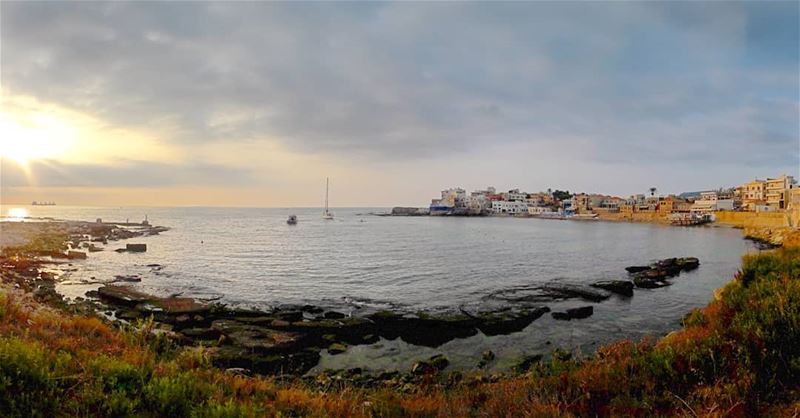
column 252, row 257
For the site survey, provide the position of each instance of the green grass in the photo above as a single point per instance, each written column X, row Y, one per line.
column 739, row 356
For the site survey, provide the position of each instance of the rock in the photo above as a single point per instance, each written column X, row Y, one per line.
column 312, row 309
column 409, row 211
column 486, row 358
column 525, row 363
column 562, row 316
column 636, row 269
column 574, row 313
column 688, row 263
column 580, row 313
column 334, row 315
column 336, row 348
column 238, row 371
column 201, row 333
column 290, row 316
column 255, row 338
column 439, row 362
column 236, row 357
column 128, row 314
column 422, row 368
column 136, row 248
column 657, row 273
column 76, row 255
column 621, row 287
column 649, row 281
column 128, row 278
column 505, row 322
column 177, row 306
column 561, row 355
column 122, row 295
column 573, row 290
column 423, row 330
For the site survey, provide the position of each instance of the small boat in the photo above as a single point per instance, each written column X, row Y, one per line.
column 584, row 217
column 327, row 213
column 292, row 220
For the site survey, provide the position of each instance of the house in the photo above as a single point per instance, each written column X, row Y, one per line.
column 478, row 203
column 514, row 195
column 509, row 207
column 775, row 191
column 710, row 202
column 753, row 194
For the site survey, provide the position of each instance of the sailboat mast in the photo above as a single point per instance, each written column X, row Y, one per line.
column 326, row 195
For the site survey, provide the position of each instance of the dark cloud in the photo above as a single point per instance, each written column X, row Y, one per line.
column 122, row 174
column 707, row 81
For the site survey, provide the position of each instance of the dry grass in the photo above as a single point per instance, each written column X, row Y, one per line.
column 737, row 357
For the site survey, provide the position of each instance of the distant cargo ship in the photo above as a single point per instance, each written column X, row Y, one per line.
column 35, row 203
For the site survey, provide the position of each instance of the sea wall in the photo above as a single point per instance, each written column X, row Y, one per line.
column 794, row 218
column 649, row 217
column 752, row 219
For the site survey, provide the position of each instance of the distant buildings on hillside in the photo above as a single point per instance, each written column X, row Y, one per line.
column 767, row 195
column 772, row 194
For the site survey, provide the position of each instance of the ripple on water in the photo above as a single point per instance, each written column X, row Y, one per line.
column 252, row 256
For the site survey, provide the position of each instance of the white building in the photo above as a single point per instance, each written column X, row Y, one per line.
column 515, row 195
column 509, row 207
column 710, row 202
column 478, row 203
column 455, row 197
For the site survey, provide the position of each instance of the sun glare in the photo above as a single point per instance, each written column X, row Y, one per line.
column 37, row 136
column 18, row 213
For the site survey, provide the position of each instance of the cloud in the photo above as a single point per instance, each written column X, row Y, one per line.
column 712, row 84
column 123, row 174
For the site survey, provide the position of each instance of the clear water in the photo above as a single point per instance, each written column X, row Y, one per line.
column 252, row 257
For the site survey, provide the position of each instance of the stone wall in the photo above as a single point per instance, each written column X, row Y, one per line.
column 649, row 217
column 752, row 219
column 794, row 218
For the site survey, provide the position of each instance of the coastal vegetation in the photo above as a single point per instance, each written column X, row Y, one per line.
column 738, row 356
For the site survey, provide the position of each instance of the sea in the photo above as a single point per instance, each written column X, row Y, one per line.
column 251, row 257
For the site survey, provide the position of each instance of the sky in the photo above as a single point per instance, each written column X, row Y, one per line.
column 255, row 103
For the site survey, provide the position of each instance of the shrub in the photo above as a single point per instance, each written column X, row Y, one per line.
column 31, row 378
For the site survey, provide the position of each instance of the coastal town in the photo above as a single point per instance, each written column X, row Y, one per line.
column 779, row 196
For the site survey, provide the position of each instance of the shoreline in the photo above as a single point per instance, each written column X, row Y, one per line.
column 761, row 228
column 292, row 337
column 665, row 375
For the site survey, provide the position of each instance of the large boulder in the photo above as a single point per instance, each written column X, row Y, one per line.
column 423, row 329
column 568, row 290
column 574, row 313
column 688, row 263
column 122, row 295
column 656, row 274
column 505, row 322
column 298, row 362
column 621, row 287
column 256, row 338
column 650, row 281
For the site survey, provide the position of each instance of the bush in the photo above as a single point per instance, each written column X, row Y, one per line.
column 176, row 395
column 31, row 378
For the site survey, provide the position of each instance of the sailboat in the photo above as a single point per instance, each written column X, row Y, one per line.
column 327, row 213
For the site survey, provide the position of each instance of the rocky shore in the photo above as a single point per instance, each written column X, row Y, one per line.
column 292, row 338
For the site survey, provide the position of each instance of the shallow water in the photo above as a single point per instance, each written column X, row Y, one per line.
column 252, row 257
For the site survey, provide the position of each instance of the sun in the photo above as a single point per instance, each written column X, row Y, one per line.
column 35, row 136
column 18, row 213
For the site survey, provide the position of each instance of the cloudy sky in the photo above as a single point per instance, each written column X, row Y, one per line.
column 223, row 103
